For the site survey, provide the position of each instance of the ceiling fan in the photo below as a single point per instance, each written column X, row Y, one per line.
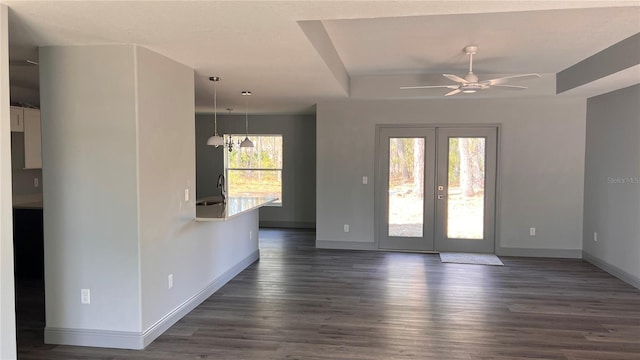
column 470, row 83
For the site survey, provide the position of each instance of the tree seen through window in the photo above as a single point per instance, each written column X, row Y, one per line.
column 256, row 171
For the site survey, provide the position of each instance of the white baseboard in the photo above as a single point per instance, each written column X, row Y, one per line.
column 179, row 312
column 139, row 340
column 553, row 253
column 345, row 245
column 287, row 224
column 612, row 269
column 550, row 253
column 97, row 338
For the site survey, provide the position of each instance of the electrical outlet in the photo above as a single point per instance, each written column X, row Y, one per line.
column 532, row 231
column 595, row 236
column 346, row 227
column 36, row 182
column 85, row 296
column 170, row 281
column 365, row 180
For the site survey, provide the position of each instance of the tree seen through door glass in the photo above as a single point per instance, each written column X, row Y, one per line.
column 406, row 187
column 465, row 195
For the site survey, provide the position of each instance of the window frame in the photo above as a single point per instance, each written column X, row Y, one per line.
column 280, row 201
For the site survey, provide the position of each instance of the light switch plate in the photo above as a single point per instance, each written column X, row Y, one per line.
column 186, row 194
column 365, row 180
column 85, row 296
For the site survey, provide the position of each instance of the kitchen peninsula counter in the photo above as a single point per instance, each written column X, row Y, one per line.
column 30, row 201
column 235, row 206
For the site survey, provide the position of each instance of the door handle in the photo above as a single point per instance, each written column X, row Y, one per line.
column 441, row 197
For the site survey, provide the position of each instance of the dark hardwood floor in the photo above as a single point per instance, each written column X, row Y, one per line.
column 299, row 302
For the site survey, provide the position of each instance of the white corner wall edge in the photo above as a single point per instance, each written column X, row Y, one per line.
column 140, row 340
column 7, row 290
column 612, row 269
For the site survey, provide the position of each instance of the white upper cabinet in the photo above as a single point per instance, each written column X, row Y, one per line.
column 32, row 139
column 17, row 119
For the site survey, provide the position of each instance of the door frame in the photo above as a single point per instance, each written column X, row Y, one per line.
column 442, row 243
column 425, row 243
column 379, row 201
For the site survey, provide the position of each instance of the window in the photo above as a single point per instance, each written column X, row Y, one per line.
column 256, row 171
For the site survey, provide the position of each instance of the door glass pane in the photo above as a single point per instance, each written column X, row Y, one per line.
column 465, row 197
column 406, row 187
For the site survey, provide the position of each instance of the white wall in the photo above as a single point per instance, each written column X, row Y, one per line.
column 541, row 166
column 7, row 294
column 612, row 183
column 165, row 168
column 88, row 113
column 119, row 152
column 170, row 241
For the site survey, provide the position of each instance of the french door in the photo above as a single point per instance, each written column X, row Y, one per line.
column 435, row 189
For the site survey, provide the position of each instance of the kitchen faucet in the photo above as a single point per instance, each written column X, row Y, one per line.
column 223, row 190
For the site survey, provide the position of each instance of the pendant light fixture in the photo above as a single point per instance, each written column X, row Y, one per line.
column 215, row 140
column 229, row 142
column 246, row 143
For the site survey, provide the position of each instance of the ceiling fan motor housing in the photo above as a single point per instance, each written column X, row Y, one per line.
column 471, row 77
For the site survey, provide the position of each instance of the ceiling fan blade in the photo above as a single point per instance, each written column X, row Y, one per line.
column 428, row 87
column 514, row 87
column 456, row 91
column 455, row 78
column 505, row 79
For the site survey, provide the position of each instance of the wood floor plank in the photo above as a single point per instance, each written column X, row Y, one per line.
column 299, row 302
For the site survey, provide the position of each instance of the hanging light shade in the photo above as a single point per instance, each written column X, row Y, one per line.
column 246, row 143
column 215, row 140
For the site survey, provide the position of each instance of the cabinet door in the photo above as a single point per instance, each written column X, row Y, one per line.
column 32, row 139
column 17, row 119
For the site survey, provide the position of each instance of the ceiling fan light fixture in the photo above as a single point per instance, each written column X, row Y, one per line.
column 470, row 83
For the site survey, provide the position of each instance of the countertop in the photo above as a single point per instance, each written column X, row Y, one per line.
column 30, row 201
column 234, row 207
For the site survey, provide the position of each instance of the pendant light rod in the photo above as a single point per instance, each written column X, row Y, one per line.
column 215, row 139
column 246, row 113
column 215, row 79
column 246, row 142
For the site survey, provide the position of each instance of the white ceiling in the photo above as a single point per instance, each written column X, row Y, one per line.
column 259, row 45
